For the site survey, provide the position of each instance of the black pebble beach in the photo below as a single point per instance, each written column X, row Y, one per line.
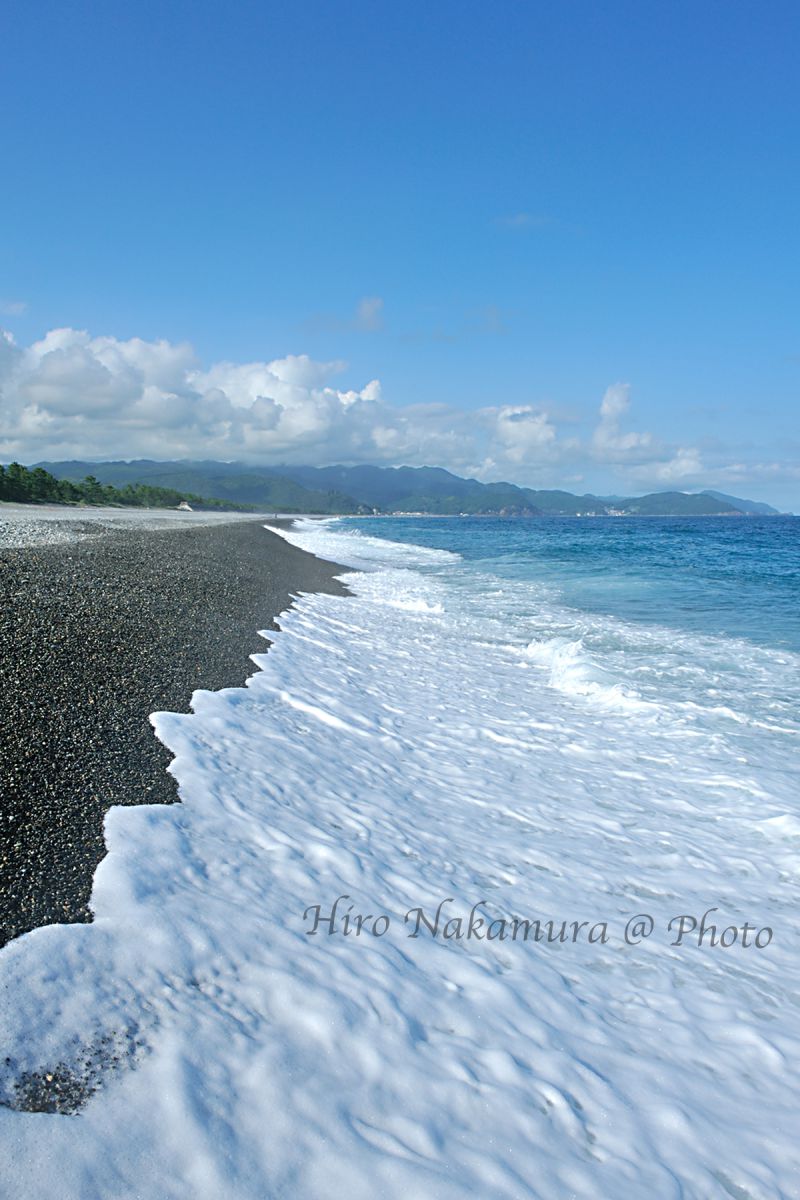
column 94, row 636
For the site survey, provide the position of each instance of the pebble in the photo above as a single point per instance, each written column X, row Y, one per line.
column 94, row 636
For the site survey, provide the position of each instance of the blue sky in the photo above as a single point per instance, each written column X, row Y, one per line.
column 498, row 211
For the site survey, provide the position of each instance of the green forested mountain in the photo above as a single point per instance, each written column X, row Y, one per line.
column 340, row 489
column 751, row 507
column 232, row 484
column 677, row 504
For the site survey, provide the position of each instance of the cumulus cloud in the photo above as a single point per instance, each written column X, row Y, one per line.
column 609, row 442
column 640, row 458
column 523, row 433
column 683, row 468
column 74, row 395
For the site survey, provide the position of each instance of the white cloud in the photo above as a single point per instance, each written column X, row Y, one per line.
column 523, row 433
column 74, row 395
column 609, row 443
column 9, row 354
column 684, row 467
column 615, row 403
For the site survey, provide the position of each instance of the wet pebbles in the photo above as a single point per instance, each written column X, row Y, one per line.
column 95, row 634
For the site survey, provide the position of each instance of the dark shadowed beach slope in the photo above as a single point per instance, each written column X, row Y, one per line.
column 95, row 634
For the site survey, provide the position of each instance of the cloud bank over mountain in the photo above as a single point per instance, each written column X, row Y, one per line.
column 75, row 395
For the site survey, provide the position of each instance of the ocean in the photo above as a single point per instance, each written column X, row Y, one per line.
column 486, row 885
column 671, row 611
column 738, row 578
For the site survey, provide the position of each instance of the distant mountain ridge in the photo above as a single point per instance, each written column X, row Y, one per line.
column 353, row 490
column 749, row 507
column 232, row 482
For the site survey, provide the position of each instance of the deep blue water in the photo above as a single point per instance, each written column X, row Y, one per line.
column 732, row 577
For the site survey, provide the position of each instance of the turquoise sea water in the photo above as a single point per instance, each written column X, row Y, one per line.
column 589, row 724
column 738, row 578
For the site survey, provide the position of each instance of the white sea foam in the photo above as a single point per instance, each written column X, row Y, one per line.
column 401, row 747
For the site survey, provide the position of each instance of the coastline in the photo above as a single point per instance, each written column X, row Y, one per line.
column 419, row 865
column 97, row 632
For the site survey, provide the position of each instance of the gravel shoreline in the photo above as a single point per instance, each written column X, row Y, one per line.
column 95, row 634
